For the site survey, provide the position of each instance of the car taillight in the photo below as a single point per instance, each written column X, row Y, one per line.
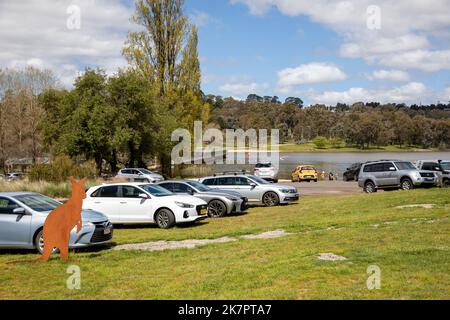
column 315, row 171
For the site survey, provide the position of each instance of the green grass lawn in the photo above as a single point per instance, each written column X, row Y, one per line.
column 310, row 147
column 411, row 247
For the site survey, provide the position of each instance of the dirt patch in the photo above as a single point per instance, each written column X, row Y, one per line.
column 267, row 235
column 330, row 257
column 414, row 206
column 192, row 243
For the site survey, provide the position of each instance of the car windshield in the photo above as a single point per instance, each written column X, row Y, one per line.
column 155, row 190
column 38, row 202
column 405, row 166
column 445, row 166
column 145, row 171
column 258, row 180
column 199, row 186
column 263, row 165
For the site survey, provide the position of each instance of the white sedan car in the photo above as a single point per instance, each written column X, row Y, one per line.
column 135, row 203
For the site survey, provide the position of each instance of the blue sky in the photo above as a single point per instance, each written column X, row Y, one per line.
column 323, row 51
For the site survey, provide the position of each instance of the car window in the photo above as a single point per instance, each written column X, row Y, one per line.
column 209, row 182
column 263, row 165
column 156, row 190
column 38, row 202
column 307, row 168
column 226, row 181
column 135, row 172
column 130, row 192
column 431, row 166
column 109, row 192
column 168, row 186
column 241, row 181
column 445, row 165
column 181, row 188
column 126, row 171
column 387, row 166
column 373, row 167
column 197, row 185
column 7, row 206
column 405, row 165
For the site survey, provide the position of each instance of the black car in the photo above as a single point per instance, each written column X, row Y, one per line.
column 352, row 173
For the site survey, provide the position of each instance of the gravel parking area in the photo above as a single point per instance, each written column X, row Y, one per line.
column 332, row 188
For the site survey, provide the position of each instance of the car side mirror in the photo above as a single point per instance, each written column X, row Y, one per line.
column 20, row 211
column 143, row 196
column 191, row 192
column 253, row 185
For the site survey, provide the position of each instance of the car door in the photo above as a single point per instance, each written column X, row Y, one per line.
column 14, row 228
column 134, row 209
column 105, row 200
column 247, row 188
column 390, row 174
column 379, row 174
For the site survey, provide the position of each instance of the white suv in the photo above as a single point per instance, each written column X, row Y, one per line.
column 132, row 203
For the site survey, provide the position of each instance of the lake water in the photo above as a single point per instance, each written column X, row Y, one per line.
column 337, row 162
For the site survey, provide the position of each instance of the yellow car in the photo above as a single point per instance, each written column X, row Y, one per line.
column 304, row 173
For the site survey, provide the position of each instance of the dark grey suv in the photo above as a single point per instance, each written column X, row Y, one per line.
column 393, row 175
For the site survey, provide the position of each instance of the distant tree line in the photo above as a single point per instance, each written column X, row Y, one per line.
column 361, row 124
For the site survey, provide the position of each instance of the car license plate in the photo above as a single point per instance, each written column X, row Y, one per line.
column 107, row 230
column 203, row 211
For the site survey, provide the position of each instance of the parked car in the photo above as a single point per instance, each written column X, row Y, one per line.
column 255, row 189
column 22, row 217
column 14, row 176
column 266, row 171
column 304, row 173
column 220, row 202
column 352, row 172
column 133, row 203
column 436, row 167
column 393, row 175
column 139, row 175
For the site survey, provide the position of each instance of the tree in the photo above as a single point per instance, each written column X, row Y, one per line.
column 190, row 74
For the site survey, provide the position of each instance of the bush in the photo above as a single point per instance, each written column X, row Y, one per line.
column 320, row 142
column 337, row 142
column 60, row 169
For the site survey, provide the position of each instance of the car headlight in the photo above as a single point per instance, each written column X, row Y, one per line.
column 232, row 199
column 184, row 205
column 287, row 191
column 88, row 224
column 417, row 175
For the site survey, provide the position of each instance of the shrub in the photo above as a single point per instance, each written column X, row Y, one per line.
column 320, row 142
column 60, row 169
column 337, row 142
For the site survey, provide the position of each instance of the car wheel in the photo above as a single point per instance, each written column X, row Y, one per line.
column 165, row 219
column 369, row 187
column 446, row 183
column 39, row 242
column 275, row 181
column 271, row 199
column 217, row 209
column 406, row 184
column 315, row 180
column 345, row 178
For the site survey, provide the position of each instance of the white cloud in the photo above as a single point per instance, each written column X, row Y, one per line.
column 424, row 60
column 392, row 75
column 413, row 92
column 405, row 27
column 239, row 89
column 315, row 72
column 200, row 18
column 35, row 32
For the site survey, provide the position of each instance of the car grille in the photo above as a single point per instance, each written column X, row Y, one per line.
column 99, row 235
column 427, row 175
column 199, row 209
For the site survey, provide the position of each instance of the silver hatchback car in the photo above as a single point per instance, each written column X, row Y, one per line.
column 255, row 189
column 139, row 175
column 22, row 217
column 220, row 202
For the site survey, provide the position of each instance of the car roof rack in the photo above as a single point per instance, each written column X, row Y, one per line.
column 231, row 173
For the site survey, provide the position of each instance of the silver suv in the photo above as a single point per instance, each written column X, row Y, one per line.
column 139, row 175
column 255, row 189
column 393, row 175
column 220, row 202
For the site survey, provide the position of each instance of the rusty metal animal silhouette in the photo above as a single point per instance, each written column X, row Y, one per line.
column 62, row 220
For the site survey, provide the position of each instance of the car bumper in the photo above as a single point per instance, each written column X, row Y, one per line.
column 193, row 214
column 289, row 198
column 95, row 234
column 423, row 182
